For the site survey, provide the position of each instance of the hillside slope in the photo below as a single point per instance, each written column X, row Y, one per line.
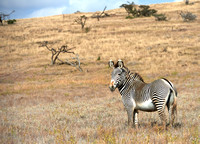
column 42, row 103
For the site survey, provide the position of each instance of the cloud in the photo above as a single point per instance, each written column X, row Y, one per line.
column 39, row 8
column 32, row 3
column 94, row 5
column 71, row 6
column 47, row 12
column 178, row 0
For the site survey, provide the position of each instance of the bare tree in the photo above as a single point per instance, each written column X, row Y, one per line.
column 75, row 63
column 1, row 20
column 188, row 16
column 3, row 16
column 62, row 49
column 81, row 20
column 99, row 15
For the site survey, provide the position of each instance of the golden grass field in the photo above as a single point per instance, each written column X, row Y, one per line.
column 41, row 103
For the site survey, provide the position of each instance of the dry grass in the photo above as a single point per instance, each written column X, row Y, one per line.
column 40, row 103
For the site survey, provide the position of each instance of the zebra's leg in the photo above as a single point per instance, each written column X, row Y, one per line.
column 130, row 115
column 174, row 111
column 135, row 118
column 169, row 107
column 172, row 108
column 161, row 112
column 160, row 106
column 170, row 113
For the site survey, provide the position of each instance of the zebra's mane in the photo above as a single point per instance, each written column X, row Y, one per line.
column 138, row 77
column 135, row 76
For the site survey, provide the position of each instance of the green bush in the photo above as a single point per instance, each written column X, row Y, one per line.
column 142, row 11
column 146, row 11
column 11, row 21
column 187, row 2
column 128, row 7
column 99, row 58
column 87, row 29
column 129, row 17
column 160, row 17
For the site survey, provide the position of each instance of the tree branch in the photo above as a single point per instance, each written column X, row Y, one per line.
column 81, row 20
column 62, row 49
column 99, row 15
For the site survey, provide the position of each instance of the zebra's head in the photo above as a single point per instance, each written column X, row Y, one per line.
column 118, row 74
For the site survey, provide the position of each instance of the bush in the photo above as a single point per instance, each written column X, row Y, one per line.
column 188, row 16
column 99, row 58
column 142, row 11
column 160, row 17
column 129, row 17
column 128, row 7
column 186, row 2
column 146, row 11
column 87, row 29
column 11, row 21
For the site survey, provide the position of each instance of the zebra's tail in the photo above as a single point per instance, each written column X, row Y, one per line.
column 171, row 101
column 172, row 95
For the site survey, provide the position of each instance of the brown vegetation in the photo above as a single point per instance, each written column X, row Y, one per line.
column 41, row 103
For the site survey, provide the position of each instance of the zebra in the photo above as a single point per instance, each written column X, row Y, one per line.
column 138, row 95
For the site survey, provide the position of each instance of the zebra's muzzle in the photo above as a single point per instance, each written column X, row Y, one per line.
column 112, row 86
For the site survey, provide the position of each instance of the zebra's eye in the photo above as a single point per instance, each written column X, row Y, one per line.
column 119, row 74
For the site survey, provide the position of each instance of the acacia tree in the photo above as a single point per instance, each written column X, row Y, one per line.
column 81, row 20
column 128, row 7
column 99, row 15
column 141, row 11
column 62, row 49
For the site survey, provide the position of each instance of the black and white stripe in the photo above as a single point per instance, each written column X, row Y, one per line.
column 138, row 95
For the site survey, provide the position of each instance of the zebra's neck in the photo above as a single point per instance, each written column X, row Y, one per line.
column 129, row 82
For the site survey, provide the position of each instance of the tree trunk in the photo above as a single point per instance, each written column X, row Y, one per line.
column 52, row 61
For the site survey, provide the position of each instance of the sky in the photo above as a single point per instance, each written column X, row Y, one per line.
column 41, row 8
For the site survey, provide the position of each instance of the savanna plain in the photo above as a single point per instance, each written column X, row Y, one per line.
column 44, row 103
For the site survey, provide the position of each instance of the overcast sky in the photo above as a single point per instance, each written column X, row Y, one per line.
column 40, row 8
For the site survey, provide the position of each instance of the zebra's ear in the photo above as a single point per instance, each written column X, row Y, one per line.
column 120, row 63
column 111, row 63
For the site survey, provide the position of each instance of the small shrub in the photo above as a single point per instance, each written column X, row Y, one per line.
column 129, row 17
column 99, row 58
column 87, row 29
column 11, row 21
column 77, row 12
column 160, row 17
column 188, row 16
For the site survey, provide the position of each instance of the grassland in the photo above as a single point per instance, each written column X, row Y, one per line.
column 41, row 103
